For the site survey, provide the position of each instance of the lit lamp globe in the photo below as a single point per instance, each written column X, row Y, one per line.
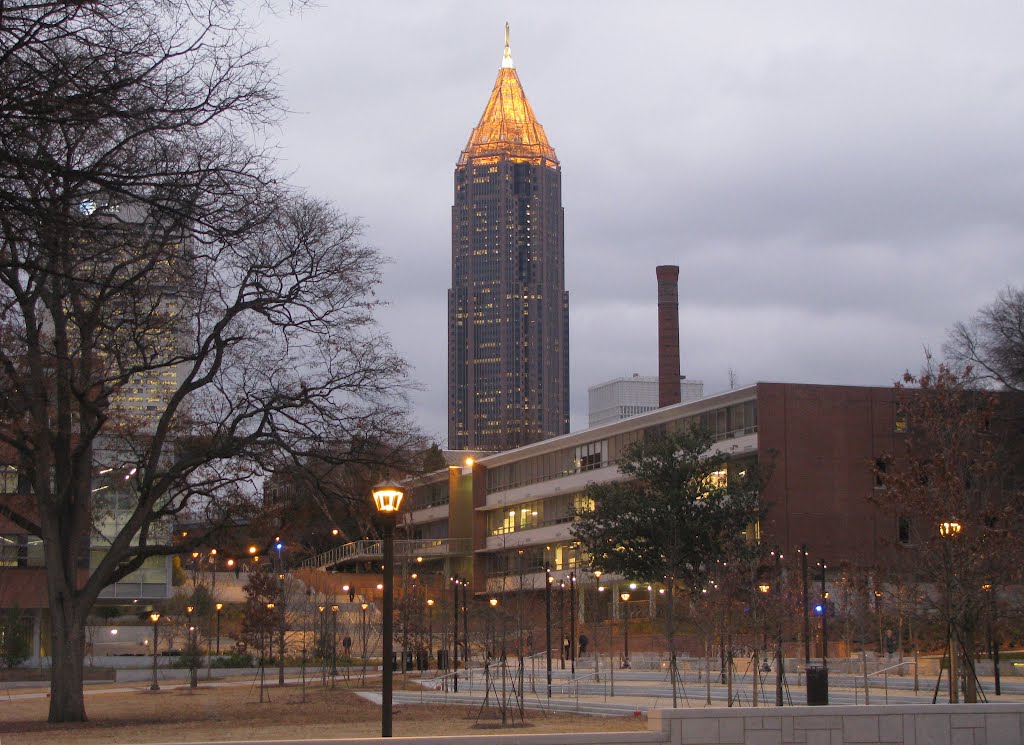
column 387, row 497
column 950, row 528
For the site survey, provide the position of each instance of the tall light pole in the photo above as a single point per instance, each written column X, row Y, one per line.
column 430, row 630
column 155, row 618
column 807, row 612
column 334, row 641
column 363, row 606
column 455, row 634
column 218, row 607
column 561, row 621
column 824, row 619
column 281, row 601
column 322, row 645
column 780, row 658
column 492, row 643
column 948, row 530
column 596, row 627
column 764, row 588
column 572, row 621
column 193, row 680
column 465, row 621
column 548, row 581
column 624, row 597
column 387, row 497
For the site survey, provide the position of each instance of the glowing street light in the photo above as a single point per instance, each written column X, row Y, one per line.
column 193, row 679
column 155, row 618
column 950, row 528
column 218, row 607
column 387, row 498
column 625, row 597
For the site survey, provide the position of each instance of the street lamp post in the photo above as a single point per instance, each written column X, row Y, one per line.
column 155, row 618
column 561, row 621
column 193, row 679
column 218, row 607
column 363, row 607
column 493, row 643
column 387, row 498
column 548, row 581
column 780, row 658
column 430, row 630
column 878, row 614
column 824, row 619
column 572, row 622
column 321, row 646
column 267, row 640
column 334, row 641
column 455, row 634
column 807, row 614
column 948, row 530
column 465, row 622
column 595, row 627
column 764, row 588
column 624, row 597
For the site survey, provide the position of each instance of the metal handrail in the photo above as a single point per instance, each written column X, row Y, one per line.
column 893, row 667
column 403, row 548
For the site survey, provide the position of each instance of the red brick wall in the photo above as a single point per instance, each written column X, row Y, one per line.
column 822, row 441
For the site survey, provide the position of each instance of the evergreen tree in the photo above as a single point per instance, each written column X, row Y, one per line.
column 681, row 512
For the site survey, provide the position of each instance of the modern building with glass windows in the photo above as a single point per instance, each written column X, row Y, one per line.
column 500, row 519
column 508, row 311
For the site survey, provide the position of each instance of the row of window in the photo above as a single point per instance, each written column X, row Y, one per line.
column 558, row 557
column 722, row 423
column 21, row 551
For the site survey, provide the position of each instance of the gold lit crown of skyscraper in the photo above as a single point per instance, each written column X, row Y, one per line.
column 508, row 125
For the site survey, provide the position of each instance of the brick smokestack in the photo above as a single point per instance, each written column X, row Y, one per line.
column 669, row 389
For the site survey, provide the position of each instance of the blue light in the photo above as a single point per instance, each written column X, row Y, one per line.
column 280, row 546
column 818, row 609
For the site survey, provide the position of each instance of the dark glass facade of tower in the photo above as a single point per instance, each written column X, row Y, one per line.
column 508, row 311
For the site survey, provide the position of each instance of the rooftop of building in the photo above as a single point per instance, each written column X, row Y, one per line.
column 508, row 126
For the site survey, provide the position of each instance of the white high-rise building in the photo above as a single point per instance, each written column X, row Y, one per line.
column 622, row 398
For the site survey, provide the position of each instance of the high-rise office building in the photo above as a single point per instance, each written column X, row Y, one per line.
column 508, row 311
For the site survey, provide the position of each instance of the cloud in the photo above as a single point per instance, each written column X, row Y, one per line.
column 839, row 184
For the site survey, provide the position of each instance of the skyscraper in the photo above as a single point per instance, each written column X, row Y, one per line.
column 508, row 311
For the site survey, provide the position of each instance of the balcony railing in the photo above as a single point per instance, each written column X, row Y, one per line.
column 370, row 550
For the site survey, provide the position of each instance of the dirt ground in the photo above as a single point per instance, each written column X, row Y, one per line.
column 209, row 714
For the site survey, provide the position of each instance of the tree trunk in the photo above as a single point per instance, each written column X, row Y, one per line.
column 970, row 679
column 670, row 634
column 67, row 642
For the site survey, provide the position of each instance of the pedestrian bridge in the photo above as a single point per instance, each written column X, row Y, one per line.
column 357, row 551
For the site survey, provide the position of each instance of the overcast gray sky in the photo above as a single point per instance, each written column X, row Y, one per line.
column 839, row 182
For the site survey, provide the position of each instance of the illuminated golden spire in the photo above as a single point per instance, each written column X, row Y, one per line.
column 508, row 125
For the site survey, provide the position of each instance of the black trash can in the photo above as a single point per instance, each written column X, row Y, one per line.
column 817, row 686
column 442, row 659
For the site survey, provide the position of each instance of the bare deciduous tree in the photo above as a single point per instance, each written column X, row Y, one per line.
column 947, row 487
column 992, row 342
column 170, row 309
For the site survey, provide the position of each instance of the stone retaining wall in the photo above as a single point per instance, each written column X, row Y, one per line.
column 914, row 724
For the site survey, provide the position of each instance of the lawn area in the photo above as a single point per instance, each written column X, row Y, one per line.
column 176, row 714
